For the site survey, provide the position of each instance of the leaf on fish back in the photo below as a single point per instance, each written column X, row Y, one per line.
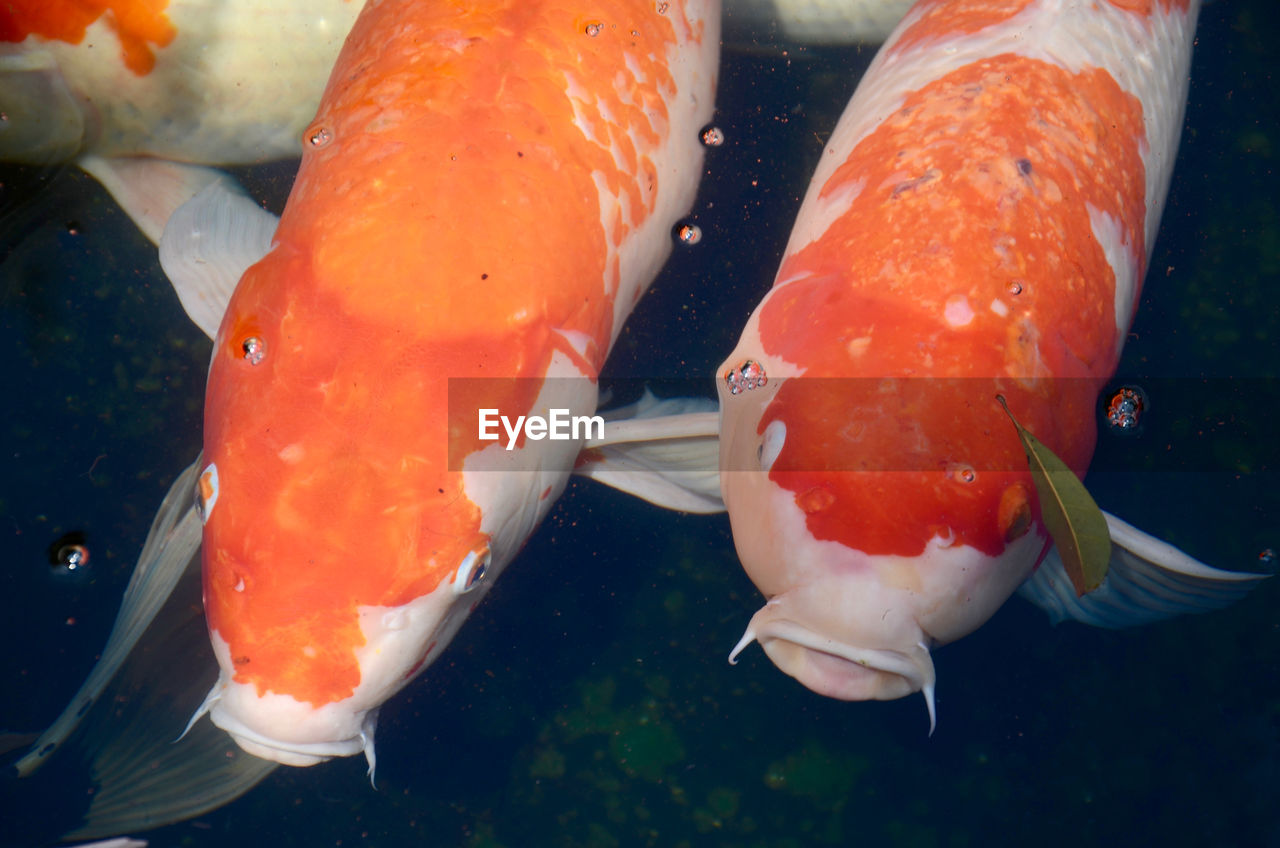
column 1077, row 526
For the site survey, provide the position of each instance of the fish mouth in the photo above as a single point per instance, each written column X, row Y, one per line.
column 840, row 670
column 283, row 751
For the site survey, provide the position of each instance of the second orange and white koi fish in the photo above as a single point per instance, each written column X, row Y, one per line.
column 980, row 224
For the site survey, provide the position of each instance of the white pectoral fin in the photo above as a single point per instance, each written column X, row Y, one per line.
column 149, row 190
column 666, row 452
column 1147, row 580
column 170, row 550
column 208, row 244
column 144, row 776
column 145, row 771
column 154, row 671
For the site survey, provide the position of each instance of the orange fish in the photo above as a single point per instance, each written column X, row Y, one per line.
column 485, row 192
column 979, row 224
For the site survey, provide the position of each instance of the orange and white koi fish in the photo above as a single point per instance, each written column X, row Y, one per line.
column 487, row 190
column 980, row 223
column 140, row 94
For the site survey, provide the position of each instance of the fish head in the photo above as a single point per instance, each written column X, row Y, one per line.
column 880, row 516
column 346, row 536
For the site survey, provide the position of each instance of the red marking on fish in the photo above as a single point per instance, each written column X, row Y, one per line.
column 141, row 25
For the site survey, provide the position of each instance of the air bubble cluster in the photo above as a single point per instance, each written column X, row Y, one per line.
column 318, row 136
column 747, row 376
column 1124, row 410
column 254, row 350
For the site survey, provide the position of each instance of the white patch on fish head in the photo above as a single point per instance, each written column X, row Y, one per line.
column 830, row 622
column 846, row 623
column 748, row 448
column 514, row 490
column 858, row 626
column 398, row 643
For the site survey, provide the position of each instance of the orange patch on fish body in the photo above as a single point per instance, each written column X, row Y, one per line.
column 982, row 178
column 141, row 25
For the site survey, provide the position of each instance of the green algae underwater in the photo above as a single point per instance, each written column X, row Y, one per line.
column 588, row 701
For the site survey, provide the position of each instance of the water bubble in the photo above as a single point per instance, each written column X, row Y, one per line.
column 689, row 234
column 713, row 136
column 255, row 350
column 318, row 136
column 72, row 557
column 593, row 28
column 1125, row 408
column 69, row 554
column 963, row 472
column 747, row 376
column 1015, row 287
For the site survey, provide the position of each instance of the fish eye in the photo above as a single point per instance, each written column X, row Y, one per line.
column 472, row 569
column 775, row 436
column 206, row 492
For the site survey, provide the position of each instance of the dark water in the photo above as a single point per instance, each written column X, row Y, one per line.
column 588, row 701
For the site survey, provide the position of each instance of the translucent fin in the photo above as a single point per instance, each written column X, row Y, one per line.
column 170, row 548
column 147, row 189
column 1147, row 580
column 142, row 777
column 208, row 244
column 666, row 452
